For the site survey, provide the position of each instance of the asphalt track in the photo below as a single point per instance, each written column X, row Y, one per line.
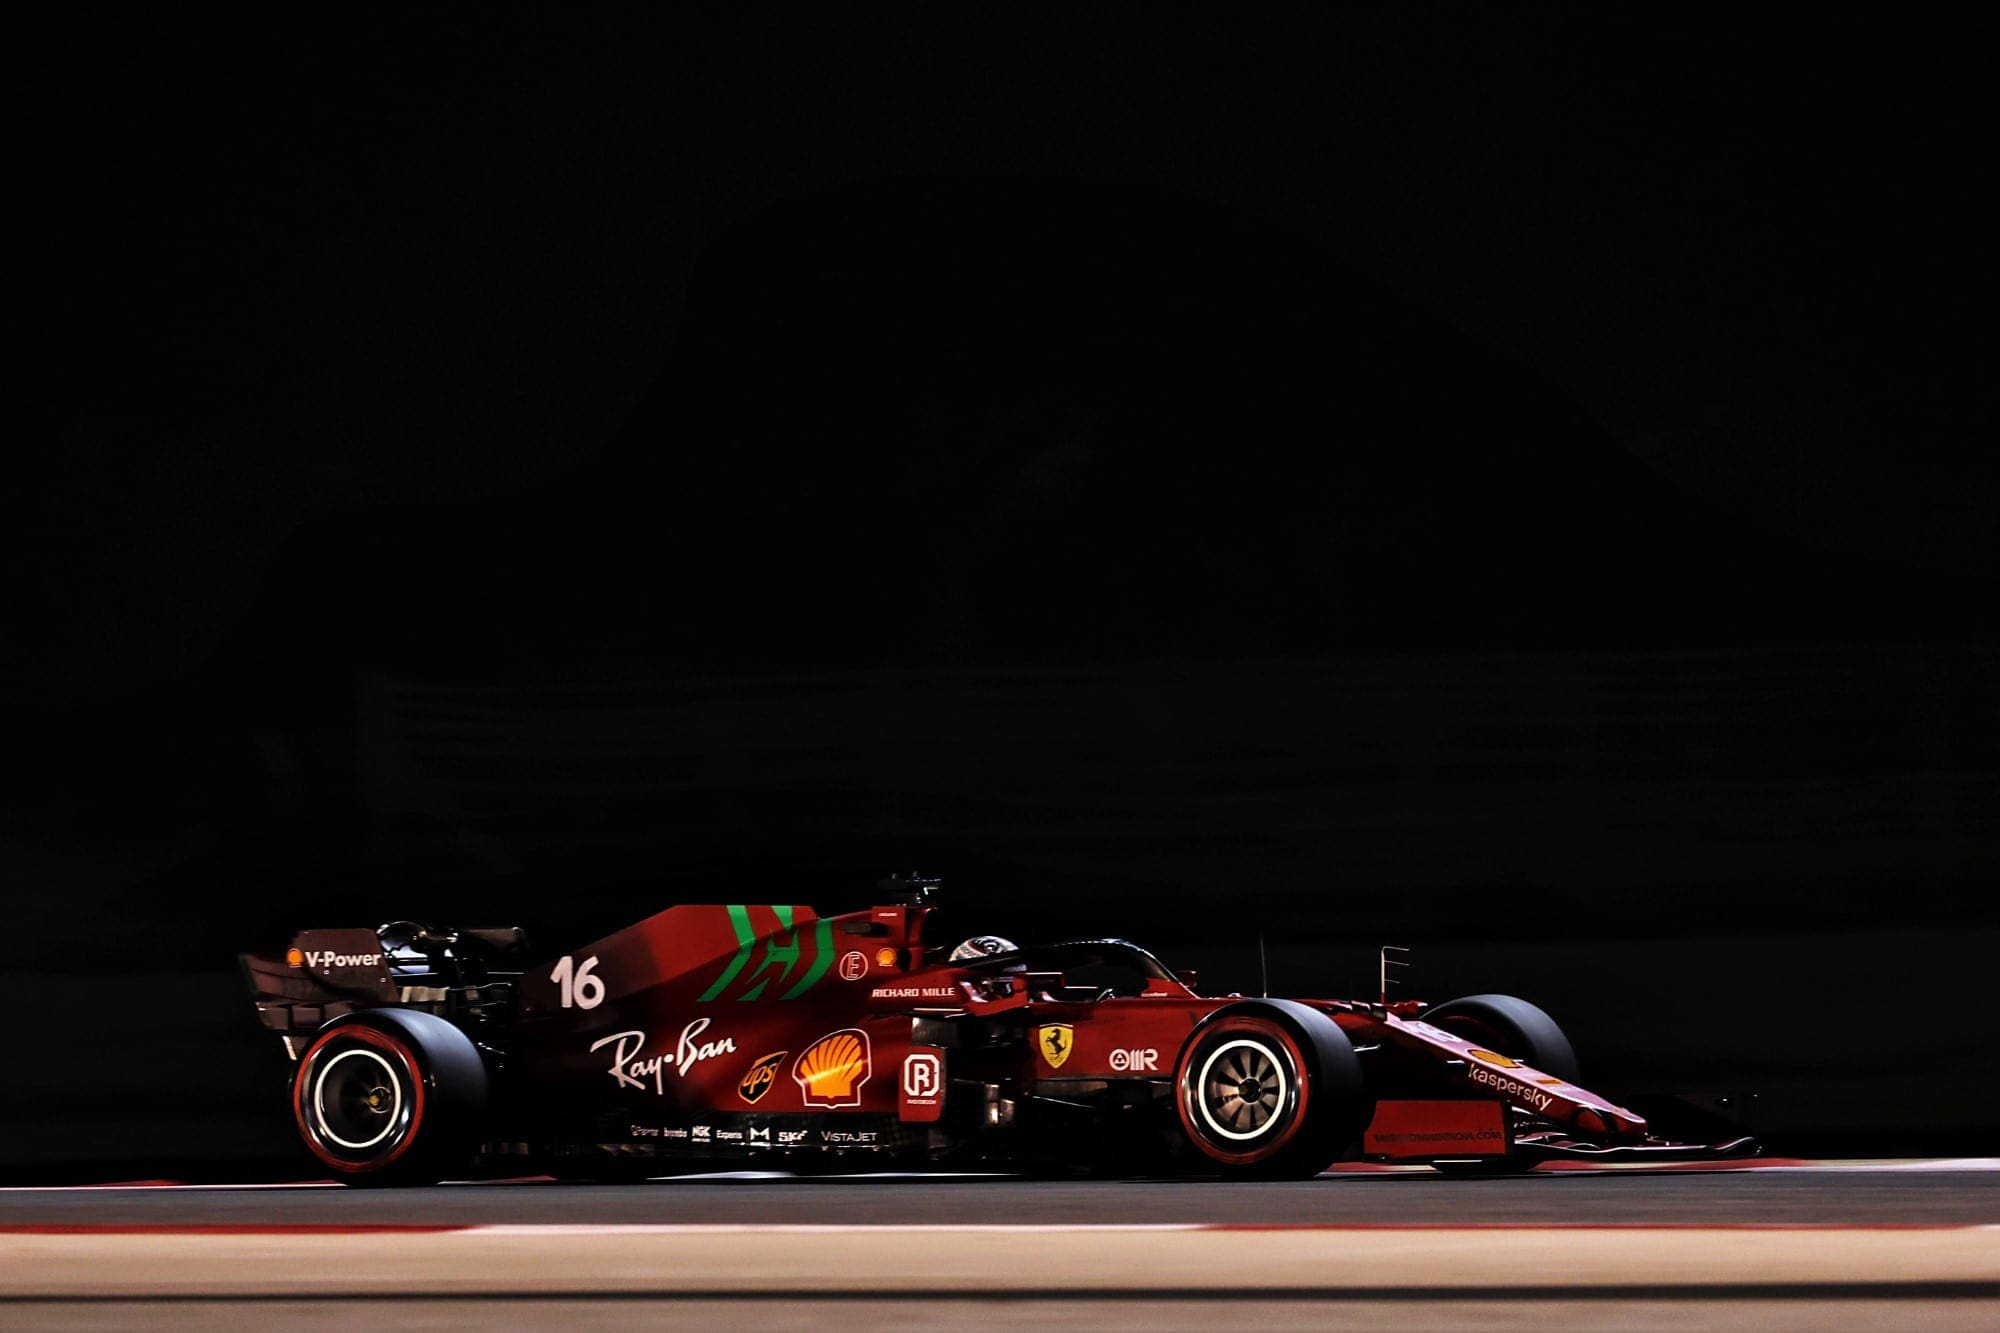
column 1775, row 1245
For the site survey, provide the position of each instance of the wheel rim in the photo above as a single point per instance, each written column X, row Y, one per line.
column 1242, row 1089
column 357, row 1100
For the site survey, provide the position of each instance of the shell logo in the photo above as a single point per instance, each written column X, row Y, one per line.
column 830, row 1072
column 295, row 956
column 1494, row 1058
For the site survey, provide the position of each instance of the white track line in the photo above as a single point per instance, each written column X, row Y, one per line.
column 508, row 1229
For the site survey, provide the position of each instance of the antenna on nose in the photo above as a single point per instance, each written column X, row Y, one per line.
column 911, row 890
column 1387, row 963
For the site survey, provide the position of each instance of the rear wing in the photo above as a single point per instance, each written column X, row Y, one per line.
column 323, row 975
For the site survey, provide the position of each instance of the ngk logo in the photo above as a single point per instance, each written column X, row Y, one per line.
column 1136, row 1060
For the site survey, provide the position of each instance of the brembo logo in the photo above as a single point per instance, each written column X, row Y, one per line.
column 325, row 958
column 1512, row 1087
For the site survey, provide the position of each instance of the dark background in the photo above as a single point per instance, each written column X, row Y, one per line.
column 1513, row 484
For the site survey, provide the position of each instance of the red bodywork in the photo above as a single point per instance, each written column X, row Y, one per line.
column 698, row 998
column 743, row 1029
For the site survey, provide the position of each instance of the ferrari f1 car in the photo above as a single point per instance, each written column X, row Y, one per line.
column 768, row 1035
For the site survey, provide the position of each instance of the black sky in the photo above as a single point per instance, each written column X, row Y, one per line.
column 558, row 350
column 1514, row 481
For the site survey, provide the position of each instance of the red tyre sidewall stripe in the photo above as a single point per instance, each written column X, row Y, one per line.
column 1267, row 1030
column 395, row 1050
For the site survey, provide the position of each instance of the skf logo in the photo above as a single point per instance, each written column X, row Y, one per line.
column 1055, row 1041
column 830, row 1072
column 761, row 1076
column 1493, row 1058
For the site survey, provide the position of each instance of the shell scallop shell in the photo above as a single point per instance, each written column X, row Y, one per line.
column 829, row 1070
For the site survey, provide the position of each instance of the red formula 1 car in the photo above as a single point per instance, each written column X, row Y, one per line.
column 771, row 1036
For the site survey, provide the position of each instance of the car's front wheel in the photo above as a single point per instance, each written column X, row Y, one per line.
column 1511, row 1027
column 1262, row 1092
column 1515, row 1030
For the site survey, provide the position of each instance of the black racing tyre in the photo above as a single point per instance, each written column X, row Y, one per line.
column 389, row 1097
column 1510, row 1027
column 1269, row 1089
column 1517, row 1030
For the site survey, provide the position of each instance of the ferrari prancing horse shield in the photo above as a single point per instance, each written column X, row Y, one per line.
column 1055, row 1041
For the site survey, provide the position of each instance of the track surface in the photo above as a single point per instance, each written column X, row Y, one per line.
column 1851, row 1194
column 1881, row 1244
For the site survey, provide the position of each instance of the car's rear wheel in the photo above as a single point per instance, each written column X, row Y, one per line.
column 1262, row 1096
column 389, row 1101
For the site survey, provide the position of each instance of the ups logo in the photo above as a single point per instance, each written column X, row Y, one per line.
column 761, row 1076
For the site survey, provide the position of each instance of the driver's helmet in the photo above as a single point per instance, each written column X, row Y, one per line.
column 981, row 945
